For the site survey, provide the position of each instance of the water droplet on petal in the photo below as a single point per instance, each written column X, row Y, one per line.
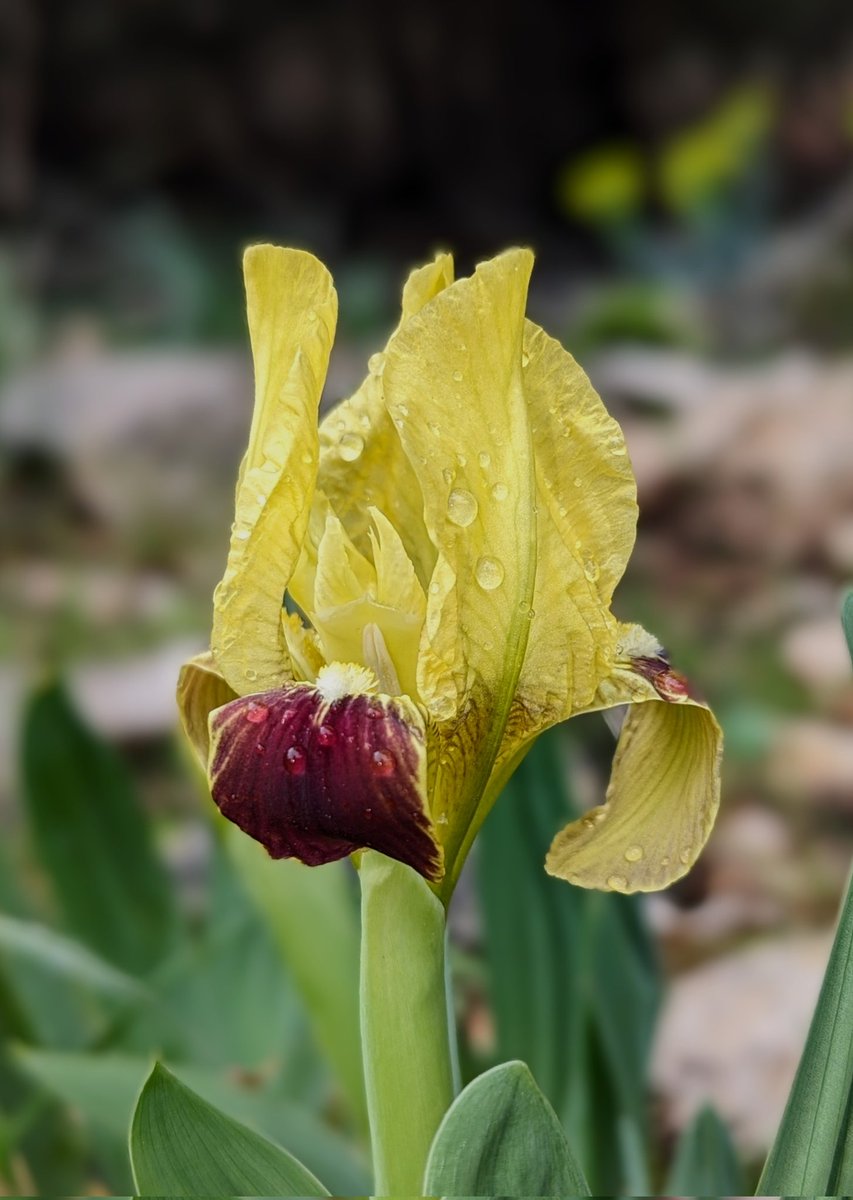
column 525, row 358
column 448, row 474
column 484, row 459
column 256, row 712
column 376, row 364
column 457, row 376
column 500, row 491
column 462, row 460
column 326, row 736
column 665, row 861
column 311, row 314
column 351, row 446
column 251, row 674
column 685, row 857
column 462, row 507
column 382, row 764
column 307, row 457
column 489, row 573
column 243, row 534
column 577, row 481
column 294, row 761
column 260, row 748
column 617, row 883
column 434, row 429
column 634, row 853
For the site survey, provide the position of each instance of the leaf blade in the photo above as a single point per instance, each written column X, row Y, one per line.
column 182, row 1146
column 501, row 1137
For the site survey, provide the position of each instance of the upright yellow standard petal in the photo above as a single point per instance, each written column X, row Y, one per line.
column 292, row 310
column 361, row 460
column 586, row 496
column 453, row 387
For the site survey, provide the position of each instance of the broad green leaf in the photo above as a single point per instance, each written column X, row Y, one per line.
column 812, row 1151
column 314, row 921
column 705, row 1162
column 92, row 837
column 574, row 979
column 501, row 1137
column 847, row 621
column 61, row 955
column 182, row 1146
column 103, row 1088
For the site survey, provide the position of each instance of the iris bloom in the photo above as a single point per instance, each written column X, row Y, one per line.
column 419, row 587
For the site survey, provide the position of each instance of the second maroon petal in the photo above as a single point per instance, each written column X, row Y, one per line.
column 315, row 779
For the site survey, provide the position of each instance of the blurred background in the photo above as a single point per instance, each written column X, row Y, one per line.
column 685, row 176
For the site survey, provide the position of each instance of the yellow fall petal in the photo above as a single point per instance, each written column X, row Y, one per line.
column 292, row 310
column 664, row 787
column 201, row 689
column 361, row 460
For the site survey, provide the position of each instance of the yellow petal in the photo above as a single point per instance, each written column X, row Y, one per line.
column 586, row 497
column 664, row 788
column 201, row 689
column 343, row 574
column 303, row 645
column 397, row 585
column 361, row 460
column 292, row 309
column 453, row 385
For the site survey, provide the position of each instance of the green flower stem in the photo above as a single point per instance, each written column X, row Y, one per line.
column 405, row 1040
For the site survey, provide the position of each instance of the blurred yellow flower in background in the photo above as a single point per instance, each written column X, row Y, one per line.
column 419, row 587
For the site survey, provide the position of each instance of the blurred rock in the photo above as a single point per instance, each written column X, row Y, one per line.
column 813, row 758
column 815, row 652
column 732, row 1031
column 133, row 697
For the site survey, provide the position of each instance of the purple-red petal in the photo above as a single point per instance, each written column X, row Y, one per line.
column 315, row 779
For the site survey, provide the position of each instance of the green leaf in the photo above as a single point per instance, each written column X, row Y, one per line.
column 501, row 1137
column 92, row 836
column 812, row 1151
column 103, row 1088
column 575, row 982
column 705, row 1162
column 847, row 621
column 182, row 1146
column 34, row 943
column 314, row 922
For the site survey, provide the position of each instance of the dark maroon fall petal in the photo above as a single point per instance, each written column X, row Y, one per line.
column 315, row 779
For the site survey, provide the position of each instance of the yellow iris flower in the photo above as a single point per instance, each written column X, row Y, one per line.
column 419, row 587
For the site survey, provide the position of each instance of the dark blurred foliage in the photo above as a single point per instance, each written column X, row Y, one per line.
column 365, row 127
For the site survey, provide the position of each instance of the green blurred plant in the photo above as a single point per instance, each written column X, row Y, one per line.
column 253, row 1006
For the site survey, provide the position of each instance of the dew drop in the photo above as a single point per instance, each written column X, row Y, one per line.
column 294, row 761
column 326, row 736
column 500, row 491
column 634, row 853
column 376, row 364
column 251, row 674
column 243, row 534
column 307, row 457
column 311, row 314
column 256, row 712
column 462, row 460
column 489, row 573
column 434, row 589
column 374, row 712
column 462, row 507
column 382, row 763
column 665, row 861
column 434, row 429
column 260, row 748
column 351, row 446
column 484, row 459
column 457, row 376
column 577, row 481
column 525, row 358
column 617, row 883
column 684, row 856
